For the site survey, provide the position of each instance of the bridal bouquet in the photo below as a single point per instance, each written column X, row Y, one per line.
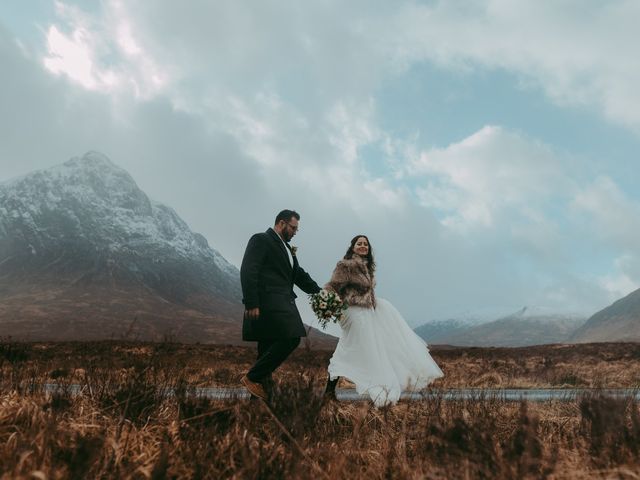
column 328, row 306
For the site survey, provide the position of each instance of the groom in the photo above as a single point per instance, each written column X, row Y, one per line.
column 268, row 272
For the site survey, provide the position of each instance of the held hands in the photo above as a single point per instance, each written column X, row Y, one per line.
column 252, row 313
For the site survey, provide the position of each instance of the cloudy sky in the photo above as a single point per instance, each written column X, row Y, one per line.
column 488, row 148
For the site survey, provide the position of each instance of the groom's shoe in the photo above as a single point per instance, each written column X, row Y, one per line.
column 255, row 389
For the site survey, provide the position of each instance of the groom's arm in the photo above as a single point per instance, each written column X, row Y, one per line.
column 305, row 282
column 250, row 271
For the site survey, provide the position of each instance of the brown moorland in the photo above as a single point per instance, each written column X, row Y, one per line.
column 597, row 365
column 124, row 425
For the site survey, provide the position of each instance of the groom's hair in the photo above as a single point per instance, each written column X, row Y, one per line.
column 287, row 215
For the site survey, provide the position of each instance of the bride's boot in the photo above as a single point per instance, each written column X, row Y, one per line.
column 330, row 391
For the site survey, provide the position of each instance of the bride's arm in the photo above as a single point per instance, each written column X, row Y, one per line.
column 339, row 278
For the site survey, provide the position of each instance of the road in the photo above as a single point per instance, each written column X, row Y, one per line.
column 509, row 395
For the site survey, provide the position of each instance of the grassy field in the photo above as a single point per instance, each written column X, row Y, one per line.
column 125, row 426
column 605, row 365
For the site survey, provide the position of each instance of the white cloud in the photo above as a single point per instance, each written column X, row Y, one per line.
column 618, row 285
column 72, row 56
column 351, row 128
column 614, row 217
column 579, row 54
column 230, row 66
column 101, row 53
column 488, row 175
column 543, row 206
column 623, row 279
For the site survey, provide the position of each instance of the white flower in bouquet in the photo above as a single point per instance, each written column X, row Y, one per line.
column 328, row 306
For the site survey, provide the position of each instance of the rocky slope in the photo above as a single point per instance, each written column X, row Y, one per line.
column 619, row 321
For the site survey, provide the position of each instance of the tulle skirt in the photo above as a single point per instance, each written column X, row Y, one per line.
column 381, row 354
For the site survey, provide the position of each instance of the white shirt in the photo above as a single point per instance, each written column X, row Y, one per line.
column 288, row 251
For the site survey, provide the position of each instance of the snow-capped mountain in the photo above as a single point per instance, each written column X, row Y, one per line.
column 91, row 201
column 82, row 247
column 440, row 331
column 527, row 326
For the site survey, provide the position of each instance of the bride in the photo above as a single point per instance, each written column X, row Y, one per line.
column 377, row 350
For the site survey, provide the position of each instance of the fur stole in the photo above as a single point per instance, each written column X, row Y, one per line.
column 353, row 282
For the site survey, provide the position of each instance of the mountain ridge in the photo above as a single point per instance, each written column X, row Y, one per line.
column 86, row 254
column 525, row 327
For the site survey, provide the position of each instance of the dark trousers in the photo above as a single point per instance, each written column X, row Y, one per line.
column 271, row 353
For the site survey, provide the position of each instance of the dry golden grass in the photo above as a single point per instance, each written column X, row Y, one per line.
column 606, row 365
column 124, row 425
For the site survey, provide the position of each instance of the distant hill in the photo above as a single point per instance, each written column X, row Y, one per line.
column 619, row 321
column 441, row 331
column 528, row 326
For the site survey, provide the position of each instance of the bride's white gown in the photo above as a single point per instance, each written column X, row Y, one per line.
column 381, row 354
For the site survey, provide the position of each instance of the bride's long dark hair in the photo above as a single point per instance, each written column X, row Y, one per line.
column 370, row 261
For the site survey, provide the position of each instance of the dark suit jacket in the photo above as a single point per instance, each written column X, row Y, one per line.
column 267, row 280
